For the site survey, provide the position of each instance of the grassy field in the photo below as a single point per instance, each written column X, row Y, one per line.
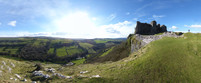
column 165, row 60
column 61, row 52
column 105, row 53
column 88, row 47
column 51, row 51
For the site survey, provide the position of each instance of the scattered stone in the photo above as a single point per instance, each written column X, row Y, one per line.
column 40, row 73
column 25, row 80
column 69, row 64
column 96, row 76
column 52, row 70
column 3, row 62
column 9, row 69
column 18, row 76
column 15, row 79
column 81, row 76
column 2, row 67
column 83, row 72
column 69, row 77
column 12, row 64
column 33, row 82
column 62, row 76
column 11, row 78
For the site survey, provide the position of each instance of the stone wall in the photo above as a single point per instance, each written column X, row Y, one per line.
column 149, row 29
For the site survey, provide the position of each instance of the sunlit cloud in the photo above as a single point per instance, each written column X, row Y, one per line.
column 174, row 27
column 193, row 26
column 12, row 23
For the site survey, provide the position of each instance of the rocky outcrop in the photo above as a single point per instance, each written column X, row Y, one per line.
column 138, row 41
column 149, row 29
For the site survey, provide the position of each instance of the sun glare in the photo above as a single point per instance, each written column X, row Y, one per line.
column 78, row 22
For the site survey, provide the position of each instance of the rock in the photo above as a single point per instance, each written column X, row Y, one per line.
column 40, row 73
column 142, row 40
column 25, row 80
column 9, row 69
column 96, row 76
column 149, row 29
column 12, row 64
column 46, row 76
column 62, row 76
column 69, row 77
column 69, row 64
column 18, row 76
column 83, row 72
column 2, row 67
column 33, row 82
column 52, row 70
column 11, row 78
column 3, row 62
column 81, row 76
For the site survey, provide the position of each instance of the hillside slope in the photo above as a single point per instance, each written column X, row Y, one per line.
column 166, row 60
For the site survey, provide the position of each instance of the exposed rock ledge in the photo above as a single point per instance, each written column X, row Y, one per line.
column 138, row 41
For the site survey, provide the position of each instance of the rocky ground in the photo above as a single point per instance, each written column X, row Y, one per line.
column 142, row 40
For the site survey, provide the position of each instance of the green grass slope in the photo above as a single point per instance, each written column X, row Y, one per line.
column 165, row 60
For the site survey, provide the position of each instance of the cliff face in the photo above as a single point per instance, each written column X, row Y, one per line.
column 137, row 41
column 149, row 29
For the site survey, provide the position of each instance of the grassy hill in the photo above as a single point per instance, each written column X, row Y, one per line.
column 165, row 60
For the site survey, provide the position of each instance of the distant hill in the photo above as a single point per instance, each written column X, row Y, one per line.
column 57, row 50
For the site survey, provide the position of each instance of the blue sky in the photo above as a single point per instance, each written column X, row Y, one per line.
column 94, row 18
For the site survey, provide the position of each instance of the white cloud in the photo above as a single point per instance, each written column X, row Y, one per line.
column 193, row 26
column 117, row 30
column 121, row 29
column 174, row 27
column 12, row 23
column 158, row 16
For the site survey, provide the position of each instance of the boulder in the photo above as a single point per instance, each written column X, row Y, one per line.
column 83, row 72
column 25, row 80
column 18, row 76
column 62, row 76
column 96, row 76
column 52, row 70
column 12, row 64
column 40, row 73
column 3, row 62
column 69, row 64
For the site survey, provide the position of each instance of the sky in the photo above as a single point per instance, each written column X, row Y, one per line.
column 94, row 18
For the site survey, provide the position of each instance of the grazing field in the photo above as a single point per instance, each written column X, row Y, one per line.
column 61, row 52
column 52, row 49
